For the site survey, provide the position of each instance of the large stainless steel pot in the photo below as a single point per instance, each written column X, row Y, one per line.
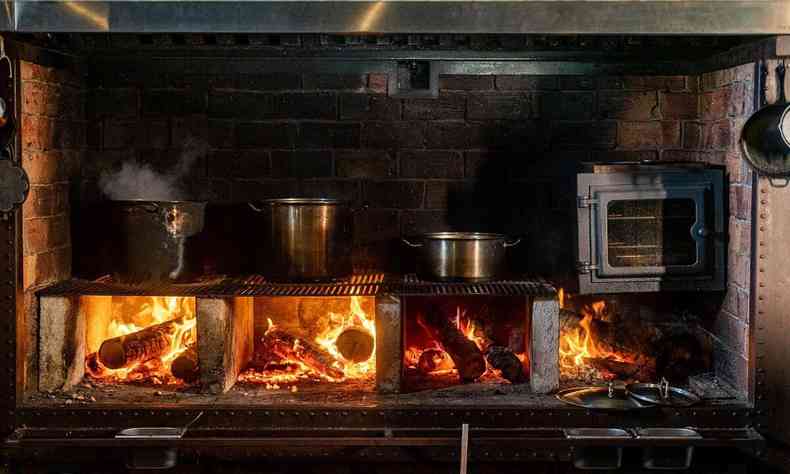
column 151, row 239
column 306, row 239
column 461, row 256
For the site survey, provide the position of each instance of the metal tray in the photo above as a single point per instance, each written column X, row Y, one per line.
column 596, row 433
column 151, row 433
column 667, row 433
column 608, row 398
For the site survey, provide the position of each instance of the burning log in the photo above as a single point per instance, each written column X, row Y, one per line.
column 644, row 368
column 355, row 344
column 185, row 366
column 289, row 347
column 140, row 346
column 465, row 354
column 504, row 360
column 434, row 360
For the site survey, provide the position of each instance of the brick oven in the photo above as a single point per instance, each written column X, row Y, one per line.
column 420, row 133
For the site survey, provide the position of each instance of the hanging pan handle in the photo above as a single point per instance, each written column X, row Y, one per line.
column 410, row 244
column 512, row 243
column 255, row 208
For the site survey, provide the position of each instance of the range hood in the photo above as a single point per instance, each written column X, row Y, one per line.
column 660, row 17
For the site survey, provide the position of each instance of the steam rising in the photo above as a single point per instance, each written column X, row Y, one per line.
column 137, row 180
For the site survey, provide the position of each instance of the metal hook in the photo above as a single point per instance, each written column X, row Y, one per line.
column 664, row 388
column 7, row 59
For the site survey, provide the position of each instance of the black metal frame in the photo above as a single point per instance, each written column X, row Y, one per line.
column 17, row 419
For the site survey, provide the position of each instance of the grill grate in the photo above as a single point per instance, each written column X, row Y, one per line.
column 369, row 284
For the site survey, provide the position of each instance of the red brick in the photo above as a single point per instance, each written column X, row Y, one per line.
column 378, row 83
column 710, row 157
column 393, row 134
column 46, row 200
column 739, row 269
column 329, row 135
column 369, row 107
column 648, row 135
column 507, row 106
column 45, row 233
column 716, row 104
column 660, row 83
column 266, row 134
column 49, row 167
column 364, row 164
column 741, row 202
column 188, row 128
column 59, row 76
column 45, row 268
column 357, row 82
column 376, row 225
column 466, row 83
column 37, row 133
column 394, row 194
column 731, row 331
column 445, row 107
column 693, row 135
column 431, row 164
column 41, row 99
column 740, row 235
column 523, row 82
column 628, row 105
column 624, row 155
column 717, row 135
column 739, row 169
column 678, row 105
column 301, row 164
column 173, row 102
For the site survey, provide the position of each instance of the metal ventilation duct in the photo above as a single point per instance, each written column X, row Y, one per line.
column 685, row 17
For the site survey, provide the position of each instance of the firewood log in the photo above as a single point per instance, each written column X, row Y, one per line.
column 504, row 360
column 289, row 347
column 433, row 360
column 465, row 354
column 140, row 346
column 185, row 366
column 355, row 344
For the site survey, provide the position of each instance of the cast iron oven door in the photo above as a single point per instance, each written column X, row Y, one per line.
column 650, row 231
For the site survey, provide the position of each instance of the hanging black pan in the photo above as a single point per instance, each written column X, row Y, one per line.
column 765, row 138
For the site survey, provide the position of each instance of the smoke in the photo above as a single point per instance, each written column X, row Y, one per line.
column 135, row 180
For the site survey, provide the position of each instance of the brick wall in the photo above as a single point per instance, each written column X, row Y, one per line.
column 496, row 153
column 52, row 143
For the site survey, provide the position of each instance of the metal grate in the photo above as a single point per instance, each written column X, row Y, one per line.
column 412, row 285
column 369, row 284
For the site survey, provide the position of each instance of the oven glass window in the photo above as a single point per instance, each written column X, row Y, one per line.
column 651, row 233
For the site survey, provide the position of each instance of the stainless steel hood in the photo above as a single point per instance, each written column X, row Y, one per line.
column 683, row 17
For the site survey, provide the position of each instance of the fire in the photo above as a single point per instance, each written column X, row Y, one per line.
column 579, row 345
column 150, row 311
column 325, row 347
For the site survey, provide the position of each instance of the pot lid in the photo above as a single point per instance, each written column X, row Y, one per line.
column 462, row 236
column 662, row 394
column 601, row 398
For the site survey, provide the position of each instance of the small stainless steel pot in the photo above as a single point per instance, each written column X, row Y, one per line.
column 461, row 256
column 306, row 239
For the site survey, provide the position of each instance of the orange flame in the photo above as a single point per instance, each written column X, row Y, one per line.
column 153, row 310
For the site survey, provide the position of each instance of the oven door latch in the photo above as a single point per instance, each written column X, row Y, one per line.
column 584, row 202
column 585, row 268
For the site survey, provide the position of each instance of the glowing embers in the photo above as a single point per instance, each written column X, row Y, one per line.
column 463, row 340
column 312, row 340
column 141, row 339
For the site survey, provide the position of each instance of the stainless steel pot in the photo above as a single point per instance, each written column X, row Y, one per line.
column 151, row 239
column 306, row 239
column 461, row 256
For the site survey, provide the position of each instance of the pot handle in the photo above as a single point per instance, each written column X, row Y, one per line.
column 255, row 208
column 150, row 207
column 410, row 244
column 512, row 243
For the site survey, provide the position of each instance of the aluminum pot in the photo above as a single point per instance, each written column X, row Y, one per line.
column 151, row 239
column 306, row 239
column 461, row 256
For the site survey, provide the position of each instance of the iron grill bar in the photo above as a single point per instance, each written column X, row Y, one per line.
column 358, row 285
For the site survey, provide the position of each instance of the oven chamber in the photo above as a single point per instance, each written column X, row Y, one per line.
column 651, row 228
column 50, row 315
